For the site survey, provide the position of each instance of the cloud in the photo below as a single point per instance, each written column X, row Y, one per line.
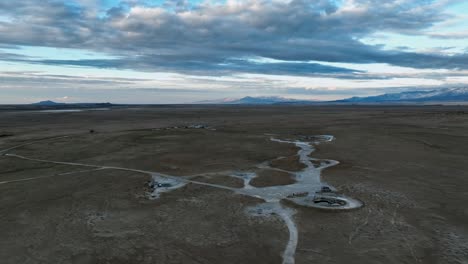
column 449, row 35
column 162, row 63
column 216, row 37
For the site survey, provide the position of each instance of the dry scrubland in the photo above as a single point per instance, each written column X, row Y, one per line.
column 407, row 164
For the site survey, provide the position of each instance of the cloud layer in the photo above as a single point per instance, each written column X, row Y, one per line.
column 221, row 37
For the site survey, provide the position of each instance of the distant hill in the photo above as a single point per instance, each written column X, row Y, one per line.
column 439, row 95
column 261, row 100
column 51, row 105
column 47, row 103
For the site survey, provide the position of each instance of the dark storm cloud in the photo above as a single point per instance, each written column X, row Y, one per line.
column 211, row 38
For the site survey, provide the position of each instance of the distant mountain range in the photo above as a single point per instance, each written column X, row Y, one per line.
column 439, row 95
column 445, row 95
column 254, row 100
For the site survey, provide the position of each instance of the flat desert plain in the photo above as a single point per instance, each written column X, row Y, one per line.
column 221, row 184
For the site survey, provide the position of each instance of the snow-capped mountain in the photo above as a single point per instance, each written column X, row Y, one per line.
column 439, row 95
column 432, row 96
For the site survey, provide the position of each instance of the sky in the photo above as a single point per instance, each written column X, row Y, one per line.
column 183, row 51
